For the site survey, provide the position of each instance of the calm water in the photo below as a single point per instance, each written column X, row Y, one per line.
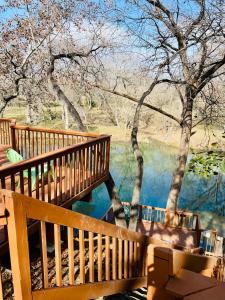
column 197, row 194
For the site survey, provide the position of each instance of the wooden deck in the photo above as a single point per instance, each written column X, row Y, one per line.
column 59, row 166
column 183, row 237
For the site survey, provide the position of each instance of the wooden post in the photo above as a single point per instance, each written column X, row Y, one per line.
column 18, row 246
column 13, row 136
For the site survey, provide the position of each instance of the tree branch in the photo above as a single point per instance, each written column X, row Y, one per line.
column 133, row 99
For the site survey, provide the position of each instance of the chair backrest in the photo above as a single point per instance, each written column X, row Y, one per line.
column 13, row 156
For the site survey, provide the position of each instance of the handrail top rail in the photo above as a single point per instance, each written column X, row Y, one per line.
column 45, row 157
column 180, row 212
column 8, row 119
column 36, row 210
column 56, row 131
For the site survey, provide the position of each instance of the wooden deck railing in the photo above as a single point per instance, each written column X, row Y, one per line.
column 33, row 141
column 62, row 175
column 5, row 131
column 182, row 219
column 91, row 258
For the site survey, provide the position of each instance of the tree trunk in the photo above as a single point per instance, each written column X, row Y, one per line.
column 62, row 97
column 116, row 203
column 138, row 182
column 117, row 206
column 178, row 175
column 65, row 116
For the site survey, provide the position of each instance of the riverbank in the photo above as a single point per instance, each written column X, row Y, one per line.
column 200, row 139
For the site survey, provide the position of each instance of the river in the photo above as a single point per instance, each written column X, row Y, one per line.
column 198, row 194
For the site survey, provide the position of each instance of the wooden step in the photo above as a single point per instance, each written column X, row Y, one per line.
column 187, row 282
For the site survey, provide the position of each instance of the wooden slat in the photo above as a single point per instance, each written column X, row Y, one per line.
column 58, row 262
column 114, row 258
column 44, row 255
column 120, row 260
column 91, row 257
column 42, row 183
column 125, row 259
column 82, row 256
column 37, row 182
column 130, row 258
column 70, row 254
column 135, row 258
column 99, row 257
column 49, row 181
column 107, row 258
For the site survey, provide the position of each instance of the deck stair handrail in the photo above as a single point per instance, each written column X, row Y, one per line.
column 102, row 258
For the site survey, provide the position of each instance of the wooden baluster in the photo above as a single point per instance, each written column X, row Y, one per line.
column 139, row 258
column 29, row 144
column 55, row 181
column 70, row 175
column 21, row 182
column 107, row 156
column 88, row 167
column 37, row 181
column 32, row 143
column 82, row 256
column 37, row 143
column 25, row 153
column 84, row 169
column 91, row 257
column 75, row 173
column 66, row 175
column 49, row 142
column 70, row 254
column 21, row 142
column 125, row 259
column 104, row 158
column 130, row 258
column 91, row 166
column 29, row 183
column 79, row 172
column 18, row 141
column 13, row 185
column 41, row 149
column 58, row 262
column 54, row 141
column 60, row 179
column 44, row 255
column 45, row 140
column 98, row 160
column 42, row 182
column 135, row 258
column 120, row 261
column 49, row 181
column 99, row 257
column 58, row 141
column 107, row 258
column 114, row 258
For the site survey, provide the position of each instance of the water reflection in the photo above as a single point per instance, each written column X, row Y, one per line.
column 197, row 194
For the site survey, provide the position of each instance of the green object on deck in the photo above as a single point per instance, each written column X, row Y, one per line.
column 15, row 157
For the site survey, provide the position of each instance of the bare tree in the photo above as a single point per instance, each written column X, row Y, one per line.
column 193, row 33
